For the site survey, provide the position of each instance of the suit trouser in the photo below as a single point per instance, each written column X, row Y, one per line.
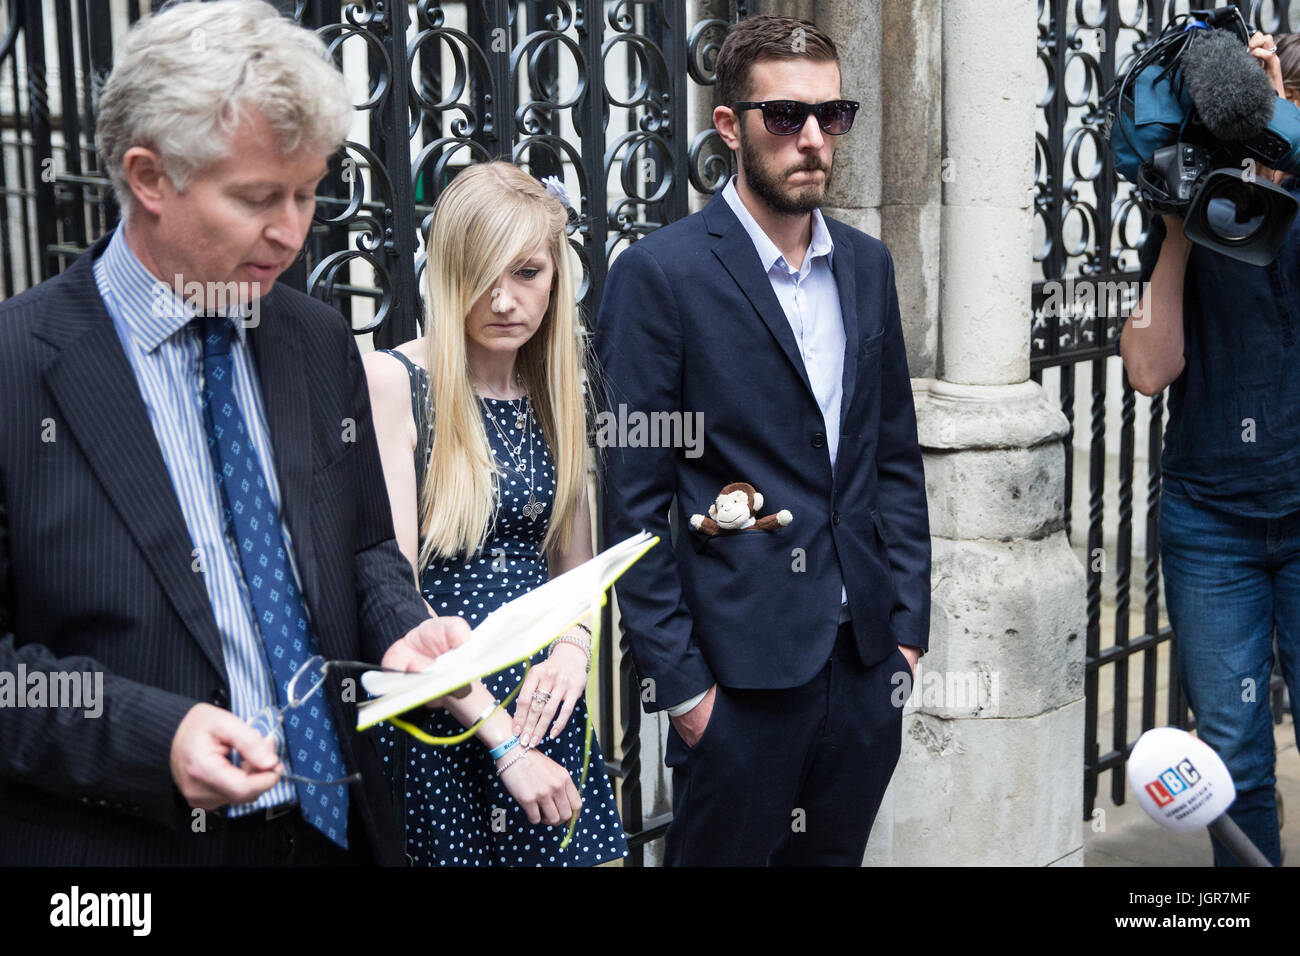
column 289, row 840
column 789, row 777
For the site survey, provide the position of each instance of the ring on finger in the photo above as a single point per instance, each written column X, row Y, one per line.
column 539, row 697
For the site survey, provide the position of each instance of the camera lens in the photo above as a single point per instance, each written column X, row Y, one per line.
column 1235, row 212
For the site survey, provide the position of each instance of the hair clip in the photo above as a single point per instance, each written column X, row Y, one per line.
column 556, row 188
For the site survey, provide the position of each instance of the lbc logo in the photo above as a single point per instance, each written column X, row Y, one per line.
column 1172, row 782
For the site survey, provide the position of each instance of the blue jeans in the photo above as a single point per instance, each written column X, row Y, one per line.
column 1229, row 582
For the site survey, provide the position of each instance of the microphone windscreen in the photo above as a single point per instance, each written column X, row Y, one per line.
column 1229, row 88
column 1178, row 780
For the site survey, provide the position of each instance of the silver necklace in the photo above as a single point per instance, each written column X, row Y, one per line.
column 534, row 507
column 516, row 451
column 520, row 418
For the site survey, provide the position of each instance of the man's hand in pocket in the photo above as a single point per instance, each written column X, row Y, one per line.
column 691, row 724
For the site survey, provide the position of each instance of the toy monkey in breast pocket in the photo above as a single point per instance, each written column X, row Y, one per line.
column 736, row 509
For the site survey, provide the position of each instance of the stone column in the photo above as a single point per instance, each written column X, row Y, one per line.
column 854, row 196
column 804, row 9
column 911, row 198
column 909, row 120
column 993, row 734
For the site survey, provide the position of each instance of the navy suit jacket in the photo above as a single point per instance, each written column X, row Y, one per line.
column 96, row 571
column 689, row 323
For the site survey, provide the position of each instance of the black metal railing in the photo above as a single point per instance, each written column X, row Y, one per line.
column 595, row 93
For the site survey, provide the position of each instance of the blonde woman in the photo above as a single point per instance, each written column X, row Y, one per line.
column 482, row 430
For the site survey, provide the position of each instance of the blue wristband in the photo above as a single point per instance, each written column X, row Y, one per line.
column 496, row 753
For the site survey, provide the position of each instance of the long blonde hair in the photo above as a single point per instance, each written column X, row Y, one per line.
column 491, row 217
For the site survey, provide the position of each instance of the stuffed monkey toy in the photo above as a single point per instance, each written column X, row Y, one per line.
column 735, row 509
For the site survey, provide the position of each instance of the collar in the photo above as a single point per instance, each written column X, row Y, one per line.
column 768, row 253
column 147, row 306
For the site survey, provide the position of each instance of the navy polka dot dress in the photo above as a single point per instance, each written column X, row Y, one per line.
column 458, row 813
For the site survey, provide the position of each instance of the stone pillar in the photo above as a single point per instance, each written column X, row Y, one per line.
column 803, row 9
column 854, row 196
column 911, row 197
column 993, row 734
column 909, row 120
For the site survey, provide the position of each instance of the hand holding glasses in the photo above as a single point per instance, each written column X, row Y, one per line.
column 269, row 721
column 787, row 117
column 306, row 681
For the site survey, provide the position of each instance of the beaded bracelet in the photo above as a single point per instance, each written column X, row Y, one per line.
column 576, row 642
column 509, row 764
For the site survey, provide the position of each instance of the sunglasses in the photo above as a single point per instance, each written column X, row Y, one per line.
column 787, row 117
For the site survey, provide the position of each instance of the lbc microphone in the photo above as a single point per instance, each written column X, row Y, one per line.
column 1183, row 785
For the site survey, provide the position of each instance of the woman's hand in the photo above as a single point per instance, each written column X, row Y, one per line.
column 554, row 685
column 1264, row 49
column 540, row 785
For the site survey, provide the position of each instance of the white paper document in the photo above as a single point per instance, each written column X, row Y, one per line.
column 512, row 633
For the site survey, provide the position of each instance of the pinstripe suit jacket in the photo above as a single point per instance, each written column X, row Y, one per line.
column 97, row 574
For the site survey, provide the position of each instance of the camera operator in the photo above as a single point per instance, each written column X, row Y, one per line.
column 1222, row 334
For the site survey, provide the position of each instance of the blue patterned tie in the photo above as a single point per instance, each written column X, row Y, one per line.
column 310, row 741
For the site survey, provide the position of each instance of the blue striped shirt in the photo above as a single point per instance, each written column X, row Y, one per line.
column 163, row 347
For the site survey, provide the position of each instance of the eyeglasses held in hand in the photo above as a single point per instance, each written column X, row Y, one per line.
column 787, row 117
column 269, row 721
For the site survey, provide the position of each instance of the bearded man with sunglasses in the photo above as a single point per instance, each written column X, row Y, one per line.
column 779, row 654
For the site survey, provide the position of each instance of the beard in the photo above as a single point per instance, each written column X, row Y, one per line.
column 771, row 188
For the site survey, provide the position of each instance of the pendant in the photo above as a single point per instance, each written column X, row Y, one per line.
column 520, row 420
column 533, row 508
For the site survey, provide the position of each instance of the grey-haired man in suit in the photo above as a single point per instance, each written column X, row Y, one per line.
column 191, row 500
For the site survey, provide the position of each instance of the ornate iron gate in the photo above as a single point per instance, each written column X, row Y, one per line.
column 1089, row 229
column 594, row 92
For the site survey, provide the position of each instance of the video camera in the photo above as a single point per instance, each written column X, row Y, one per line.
column 1187, row 123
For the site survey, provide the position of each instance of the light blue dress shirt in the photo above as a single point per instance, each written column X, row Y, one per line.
column 811, row 303
column 166, row 356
